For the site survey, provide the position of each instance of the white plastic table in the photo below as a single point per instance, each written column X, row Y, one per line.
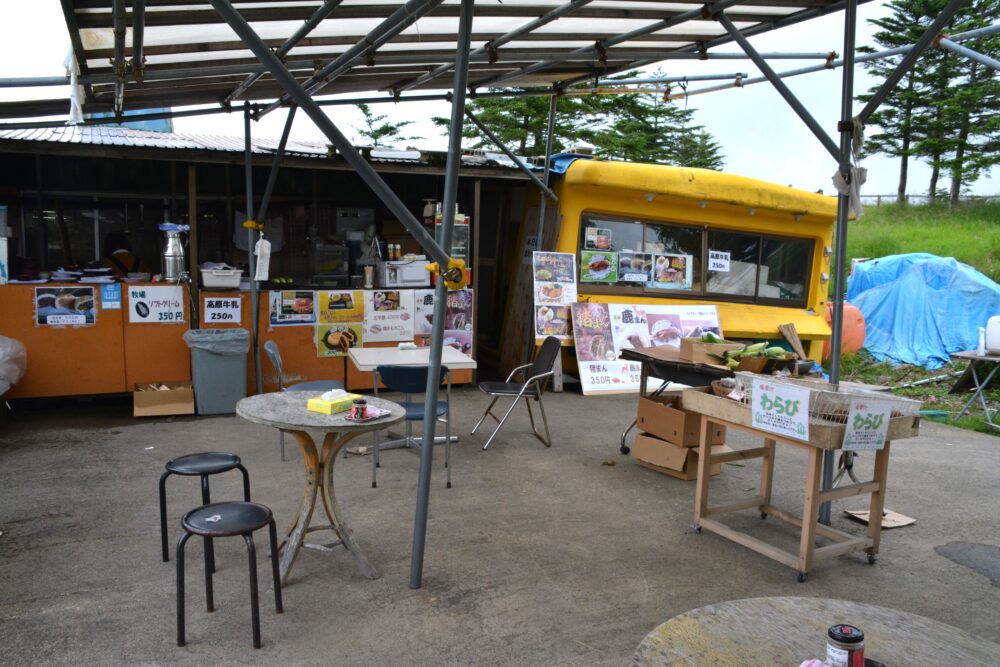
column 368, row 358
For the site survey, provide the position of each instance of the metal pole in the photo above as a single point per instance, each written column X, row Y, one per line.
column 252, row 259
column 138, row 30
column 523, row 167
column 118, row 15
column 272, row 177
column 499, row 41
column 549, row 132
column 906, row 63
column 846, row 126
column 779, row 85
column 969, row 53
column 441, row 293
column 308, row 26
column 323, row 122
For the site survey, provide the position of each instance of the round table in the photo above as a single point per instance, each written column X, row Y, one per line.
column 287, row 412
column 788, row 630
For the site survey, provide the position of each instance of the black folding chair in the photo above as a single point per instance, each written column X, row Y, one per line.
column 410, row 380
column 536, row 376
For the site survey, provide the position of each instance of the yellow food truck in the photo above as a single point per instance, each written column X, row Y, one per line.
column 654, row 234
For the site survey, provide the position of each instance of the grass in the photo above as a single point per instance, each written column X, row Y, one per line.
column 863, row 368
column 969, row 233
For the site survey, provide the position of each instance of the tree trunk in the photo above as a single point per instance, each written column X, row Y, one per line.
column 958, row 164
column 935, row 172
column 904, row 149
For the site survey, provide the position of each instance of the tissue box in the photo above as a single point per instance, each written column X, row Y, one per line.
column 331, row 407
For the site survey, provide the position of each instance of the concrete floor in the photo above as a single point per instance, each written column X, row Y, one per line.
column 561, row 556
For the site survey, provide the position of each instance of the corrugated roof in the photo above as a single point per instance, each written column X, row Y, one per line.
column 98, row 135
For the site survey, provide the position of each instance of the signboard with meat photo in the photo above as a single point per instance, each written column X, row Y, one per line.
column 555, row 290
column 597, row 359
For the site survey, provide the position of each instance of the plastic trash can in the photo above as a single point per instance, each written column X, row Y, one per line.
column 219, row 367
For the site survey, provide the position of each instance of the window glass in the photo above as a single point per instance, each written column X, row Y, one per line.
column 601, row 242
column 733, row 263
column 784, row 269
column 675, row 254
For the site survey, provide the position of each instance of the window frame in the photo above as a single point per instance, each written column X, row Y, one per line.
column 702, row 277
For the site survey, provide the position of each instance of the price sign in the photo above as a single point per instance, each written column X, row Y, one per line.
column 223, row 311
column 780, row 408
column 610, row 377
column 867, row 425
column 163, row 304
column 718, row 261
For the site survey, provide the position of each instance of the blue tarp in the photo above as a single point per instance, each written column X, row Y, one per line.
column 919, row 308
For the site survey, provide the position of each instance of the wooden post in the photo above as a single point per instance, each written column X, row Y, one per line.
column 878, row 499
column 767, row 473
column 810, row 511
column 704, row 473
column 477, row 196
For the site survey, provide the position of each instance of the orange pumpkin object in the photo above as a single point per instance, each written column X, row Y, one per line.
column 853, row 330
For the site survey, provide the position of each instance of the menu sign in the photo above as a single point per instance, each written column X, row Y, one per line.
column 555, row 290
column 601, row 331
column 292, row 308
column 60, row 306
column 223, row 311
column 334, row 340
column 341, row 306
column 457, row 322
column 388, row 315
column 163, row 304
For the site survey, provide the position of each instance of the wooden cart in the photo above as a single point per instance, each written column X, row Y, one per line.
column 822, row 437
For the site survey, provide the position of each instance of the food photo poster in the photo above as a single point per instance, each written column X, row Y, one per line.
column 60, row 306
column 290, row 307
column 598, row 267
column 554, row 291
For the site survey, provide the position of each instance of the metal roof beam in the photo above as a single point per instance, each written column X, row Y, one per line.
column 118, row 9
column 308, row 26
column 597, row 49
column 138, row 34
column 492, row 45
column 969, row 53
column 398, row 21
column 782, row 89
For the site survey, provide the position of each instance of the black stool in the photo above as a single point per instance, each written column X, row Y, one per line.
column 226, row 520
column 203, row 465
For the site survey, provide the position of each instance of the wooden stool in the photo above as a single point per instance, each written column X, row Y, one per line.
column 227, row 520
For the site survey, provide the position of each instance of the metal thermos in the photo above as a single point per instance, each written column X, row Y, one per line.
column 173, row 257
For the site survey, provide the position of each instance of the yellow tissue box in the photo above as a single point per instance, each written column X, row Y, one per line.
column 330, row 407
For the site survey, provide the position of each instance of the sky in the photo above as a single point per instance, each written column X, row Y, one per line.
column 759, row 133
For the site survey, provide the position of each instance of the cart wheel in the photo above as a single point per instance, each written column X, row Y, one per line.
column 872, row 559
column 802, row 577
column 624, row 449
column 763, row 515
column 696, row 528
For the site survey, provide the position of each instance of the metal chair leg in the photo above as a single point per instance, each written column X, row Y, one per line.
column 447, row 449
column 254, row 603
column 180, row 587
column 545, row 422
column 246, row 482
column 485, row 414
column 209, row 569
column 206, row 498
column 275, row 573
column 500, row 425
column 375, row 461
column 163, row 516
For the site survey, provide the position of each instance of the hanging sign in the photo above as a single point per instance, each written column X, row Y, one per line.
column 718, row 261
column 111, row 296
column 781, row 409
column 222, row 311
column 161, row 304
column 867, row 425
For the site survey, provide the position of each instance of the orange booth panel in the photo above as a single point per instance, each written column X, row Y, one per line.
column 155, row 351
column 64, row 360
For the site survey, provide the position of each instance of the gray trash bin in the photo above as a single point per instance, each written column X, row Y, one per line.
column 219, row 366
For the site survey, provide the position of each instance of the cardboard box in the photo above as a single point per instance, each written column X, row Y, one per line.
column 326, row 407
column 669, row 459
column 177, row 399
column 695, row 351
column 664, row 417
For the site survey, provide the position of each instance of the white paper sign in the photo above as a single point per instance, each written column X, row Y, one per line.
column 610, row 377
column 162, row 304
column 228, row 310
column 718, row 261
column 388, row 316
column 57, row 320
column 867, row 425
column 779, row 408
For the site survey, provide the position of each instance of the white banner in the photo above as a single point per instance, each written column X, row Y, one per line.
column 782, row 409
column 160, row 304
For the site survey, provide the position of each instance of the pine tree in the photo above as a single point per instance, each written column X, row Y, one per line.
column 378, row 132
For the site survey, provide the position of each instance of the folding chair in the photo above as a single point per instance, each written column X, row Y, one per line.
column 536, row 375
column 320, row 386
column 409, row 380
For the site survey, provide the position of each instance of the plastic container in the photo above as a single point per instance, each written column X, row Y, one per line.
column 228, row 278
column 993, row 335
column 219, row 368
